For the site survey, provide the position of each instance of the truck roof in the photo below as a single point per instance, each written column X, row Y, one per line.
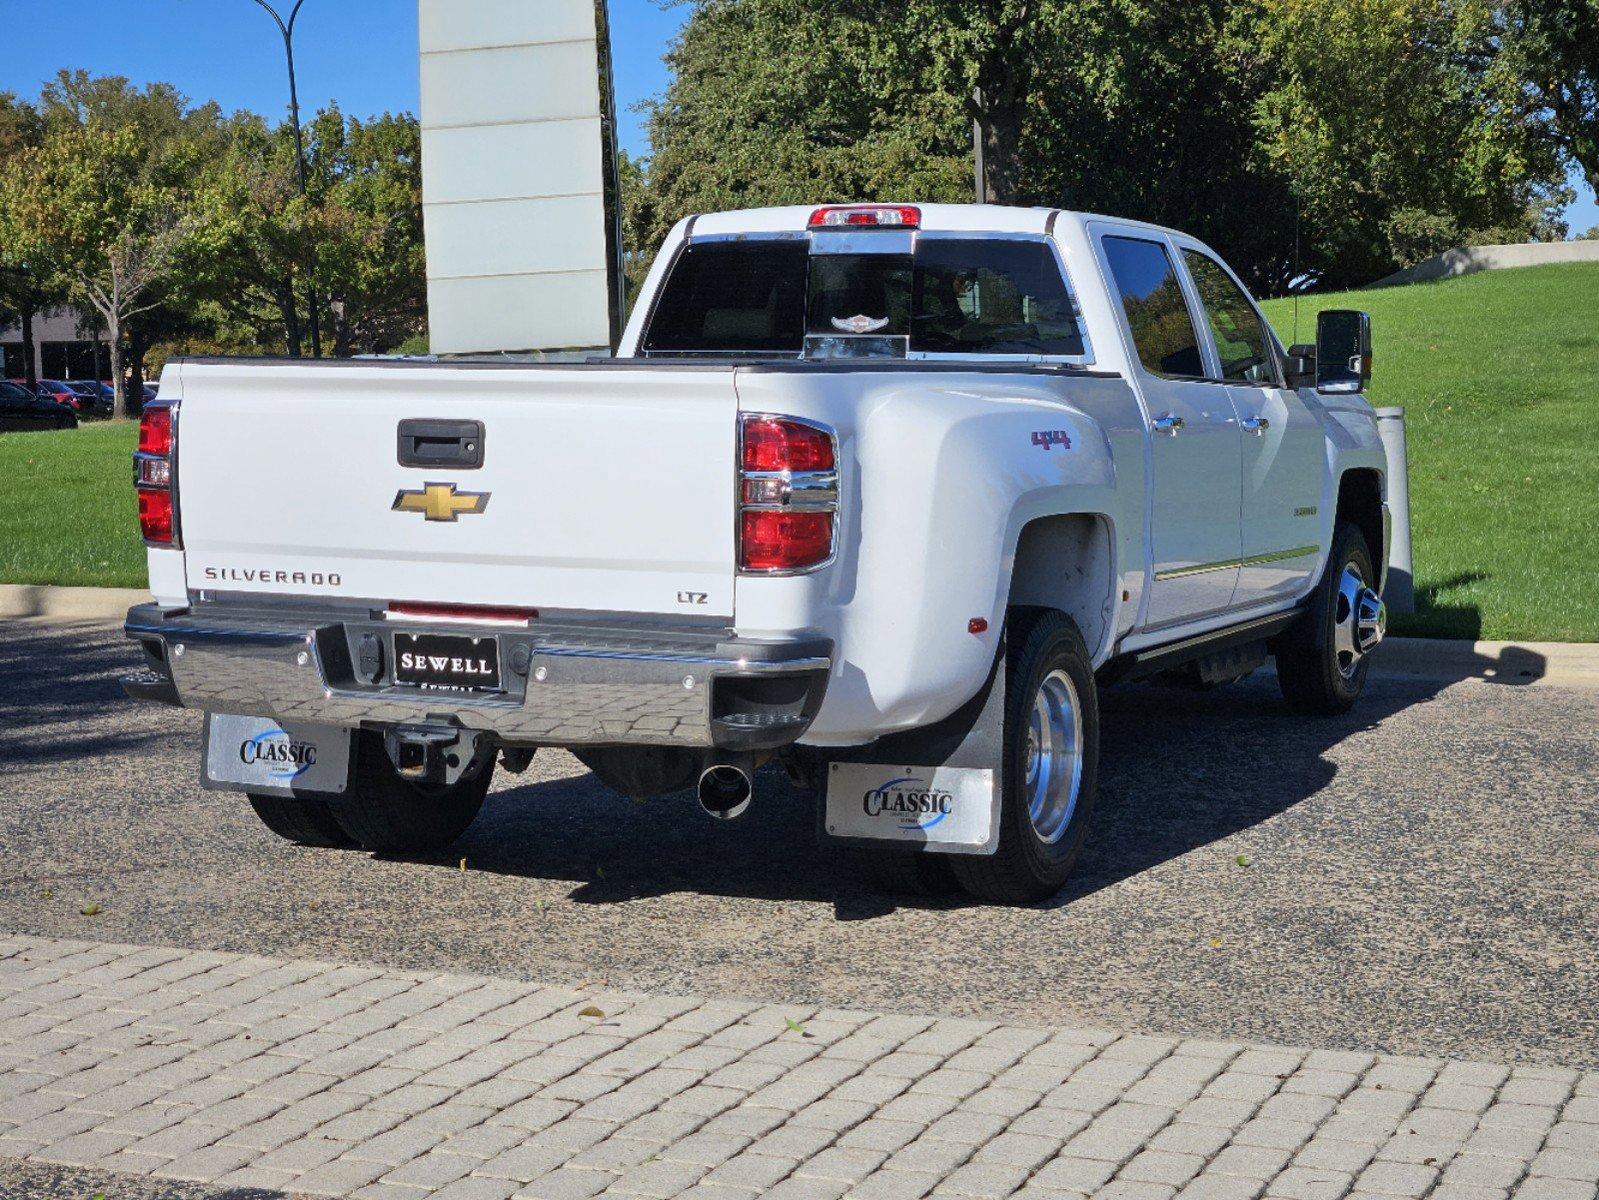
column 990, row 218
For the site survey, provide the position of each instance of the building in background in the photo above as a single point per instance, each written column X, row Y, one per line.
column 519, row 176
column 63, row 347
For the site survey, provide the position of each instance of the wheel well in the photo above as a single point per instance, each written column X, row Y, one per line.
column 1064, row 562
column 1360, row 501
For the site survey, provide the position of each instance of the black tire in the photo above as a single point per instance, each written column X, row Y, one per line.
column 386, row 814
column 901, row 872
column 303, row 820
column 1309, row 671
column 1027, row 868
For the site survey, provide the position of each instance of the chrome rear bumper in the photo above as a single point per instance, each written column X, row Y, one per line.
column 565, row 685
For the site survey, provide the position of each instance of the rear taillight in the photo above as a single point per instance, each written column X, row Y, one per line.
column 788, row 495
column 155, row 431
column 775, row 444
column 155, row 516
column 155, row 475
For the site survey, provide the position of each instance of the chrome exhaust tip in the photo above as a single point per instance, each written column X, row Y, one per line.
column 725, row 791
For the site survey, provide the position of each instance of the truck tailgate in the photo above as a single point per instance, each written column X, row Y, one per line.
column 603, row 488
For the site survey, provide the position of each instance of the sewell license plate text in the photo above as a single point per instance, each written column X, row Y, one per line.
column 447, row 662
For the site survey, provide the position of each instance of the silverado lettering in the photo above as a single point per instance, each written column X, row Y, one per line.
column 249, row 575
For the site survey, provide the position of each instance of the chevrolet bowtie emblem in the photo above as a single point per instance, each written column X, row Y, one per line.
column 440, row 501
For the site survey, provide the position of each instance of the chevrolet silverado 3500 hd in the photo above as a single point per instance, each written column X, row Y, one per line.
column 883, row 491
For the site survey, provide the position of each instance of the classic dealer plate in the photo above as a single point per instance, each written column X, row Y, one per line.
column 447, row 662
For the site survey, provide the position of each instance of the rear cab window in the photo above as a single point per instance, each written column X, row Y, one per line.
column 951, row 296
column 732, row 297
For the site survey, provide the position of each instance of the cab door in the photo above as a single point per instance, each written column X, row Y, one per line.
column 1283, row 447
column 1195, row 444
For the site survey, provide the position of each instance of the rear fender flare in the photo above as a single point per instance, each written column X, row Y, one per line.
column 1065, row 558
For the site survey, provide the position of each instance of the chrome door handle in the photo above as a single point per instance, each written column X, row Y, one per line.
column 1256, row 425
column 1169, row 424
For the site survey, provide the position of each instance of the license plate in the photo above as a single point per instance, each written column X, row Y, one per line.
column 952, row 809
column 447, row 662
column 258, row 754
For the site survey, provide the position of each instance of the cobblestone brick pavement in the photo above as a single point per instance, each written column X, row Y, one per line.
column 325, row 1079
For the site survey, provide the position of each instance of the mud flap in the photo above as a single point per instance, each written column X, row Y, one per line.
column 936, row 789
column 257, row 754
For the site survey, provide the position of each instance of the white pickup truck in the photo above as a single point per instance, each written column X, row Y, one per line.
column 884, row 492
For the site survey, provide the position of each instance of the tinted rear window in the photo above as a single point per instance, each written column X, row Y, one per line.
column 992, row 296
column 732, row 297
column 953, row 296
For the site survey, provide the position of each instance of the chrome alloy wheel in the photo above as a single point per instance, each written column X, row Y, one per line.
column 1054, row 756
column 1359, row 621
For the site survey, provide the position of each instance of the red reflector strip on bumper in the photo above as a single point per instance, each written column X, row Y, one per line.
column 459, row 614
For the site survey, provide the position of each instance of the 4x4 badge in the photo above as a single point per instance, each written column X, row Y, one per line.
column 440, row 501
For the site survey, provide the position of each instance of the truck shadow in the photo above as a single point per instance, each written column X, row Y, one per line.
column 56, row 683
column 1179, row 770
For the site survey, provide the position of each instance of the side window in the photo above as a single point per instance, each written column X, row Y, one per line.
column 1157, row 313
column 1241, row 340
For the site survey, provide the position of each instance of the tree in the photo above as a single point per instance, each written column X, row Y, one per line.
column 785, row 101
column 251, row 242
column 111, row 219
column 1547, row 52
column 366, row 229
column 1143, row 110
column 1227, row 118
column 359, row 226
column 1397, row 142
column 26, row 288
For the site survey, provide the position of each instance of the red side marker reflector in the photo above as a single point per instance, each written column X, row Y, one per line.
column 977, row 625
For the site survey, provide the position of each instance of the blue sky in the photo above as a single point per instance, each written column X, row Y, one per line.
column 360, row 52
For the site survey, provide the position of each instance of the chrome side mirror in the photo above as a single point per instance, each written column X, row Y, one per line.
column 1343, row 351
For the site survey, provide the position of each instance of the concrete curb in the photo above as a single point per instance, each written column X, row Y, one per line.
column 1571, row 663
column 67, row 603
column 1420, row 658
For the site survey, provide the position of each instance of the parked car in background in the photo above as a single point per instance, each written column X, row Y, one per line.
column 150, row 391
column 21, row 409
column 60, row 391
column 95, row 399
column 50, row 389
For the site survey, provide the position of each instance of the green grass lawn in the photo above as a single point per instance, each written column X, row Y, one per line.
column 1498, row 374
column 67, row 513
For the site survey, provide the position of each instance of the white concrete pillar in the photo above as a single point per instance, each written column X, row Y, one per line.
column 1400, row 594
column 518, row 176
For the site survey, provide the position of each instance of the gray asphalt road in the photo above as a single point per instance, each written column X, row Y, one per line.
column 1421, row 876
column 36, row 1181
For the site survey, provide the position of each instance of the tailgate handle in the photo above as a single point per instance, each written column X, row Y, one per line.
column 429, row 443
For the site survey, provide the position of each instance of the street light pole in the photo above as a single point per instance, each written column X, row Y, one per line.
column 286, row 28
